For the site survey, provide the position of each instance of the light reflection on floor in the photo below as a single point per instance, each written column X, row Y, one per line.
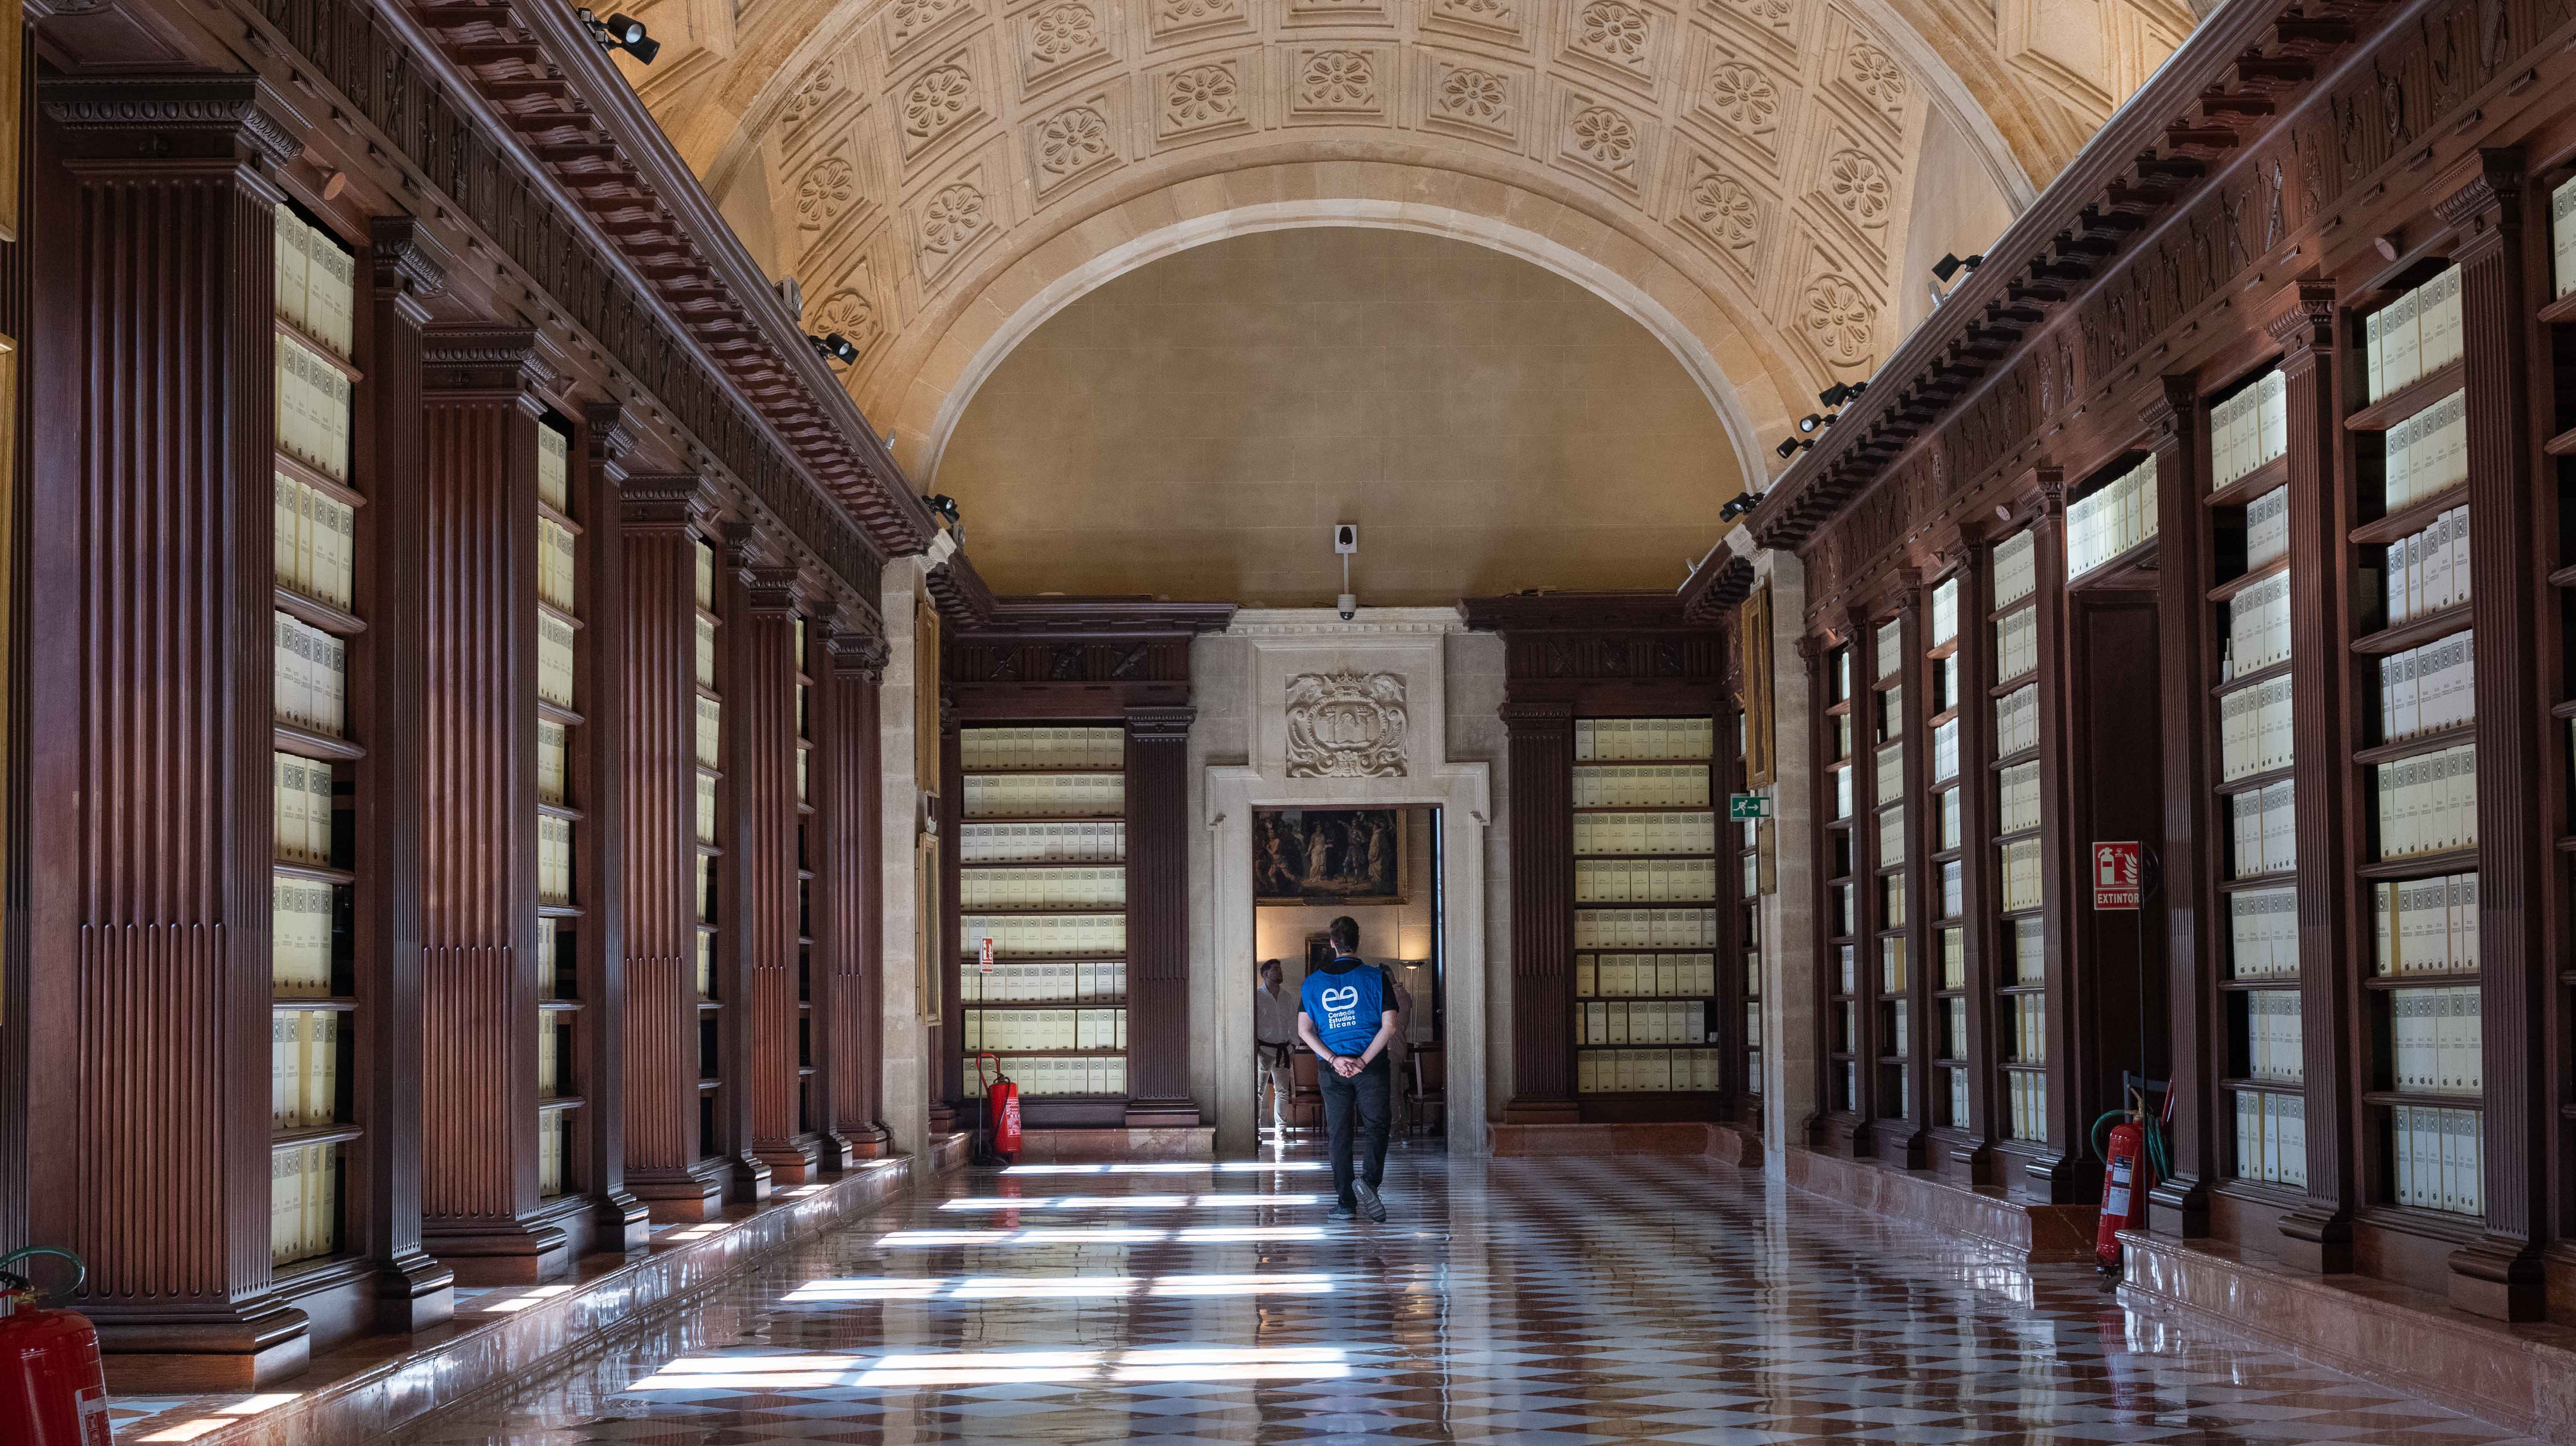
column 1526, row 1302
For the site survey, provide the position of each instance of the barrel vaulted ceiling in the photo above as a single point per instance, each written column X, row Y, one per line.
column 940, row 176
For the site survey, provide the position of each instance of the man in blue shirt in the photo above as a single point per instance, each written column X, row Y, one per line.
column 1347, row 1017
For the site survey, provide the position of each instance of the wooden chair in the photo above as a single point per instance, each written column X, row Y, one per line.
column 1430, row 1090
column 1305, row 1096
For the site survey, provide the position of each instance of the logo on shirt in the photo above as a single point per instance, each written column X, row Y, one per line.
column 1347, row 997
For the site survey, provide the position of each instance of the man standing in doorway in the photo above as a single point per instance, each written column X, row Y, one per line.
column 1274, row 1034
column 1347, row 1018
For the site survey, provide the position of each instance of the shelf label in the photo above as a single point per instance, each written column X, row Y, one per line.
column 984, row 960
column 1748, row 805
column 2119, row 875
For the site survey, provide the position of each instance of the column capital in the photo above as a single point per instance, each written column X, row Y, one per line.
column 495, row 363
column 2488, row 203
column 1161, row 723
column 663, row 502
column 2301, row 319
column 1536, row 715
column 771, row 591
column 407, row 262
column 858, row 655
column 171, row 121
column 2164, row 412
column 612, row 432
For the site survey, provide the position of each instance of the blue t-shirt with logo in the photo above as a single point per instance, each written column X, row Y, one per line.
column 1346, row 999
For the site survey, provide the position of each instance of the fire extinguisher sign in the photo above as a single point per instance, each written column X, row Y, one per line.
column 2119, row 876
column 984, row 957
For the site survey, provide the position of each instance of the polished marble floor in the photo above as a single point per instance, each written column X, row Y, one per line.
column 1513, row 1301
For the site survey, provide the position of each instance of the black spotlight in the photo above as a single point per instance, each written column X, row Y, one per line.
column 1814, row 423
column 1835, row 395
column 943, row 505
column 621, row 32
column 1949, row 266
column 1744, row 502
column 1791, row 445
column 835, row 346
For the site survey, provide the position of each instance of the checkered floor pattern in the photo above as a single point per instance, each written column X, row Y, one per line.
column 1528, row 1302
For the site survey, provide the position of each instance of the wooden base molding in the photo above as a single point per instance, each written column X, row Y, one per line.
column 2522, row 1377
column 1734, row 1145
column 691, row 1195
column 376, row 1386
column 1136, row 1142
column 2037, row 1233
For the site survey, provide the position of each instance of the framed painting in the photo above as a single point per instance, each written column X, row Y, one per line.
column 1328, row 856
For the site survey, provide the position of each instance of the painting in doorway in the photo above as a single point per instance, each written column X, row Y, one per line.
column 1328, row 855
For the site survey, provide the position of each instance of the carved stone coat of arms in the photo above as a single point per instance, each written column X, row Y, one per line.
column 1346, row 725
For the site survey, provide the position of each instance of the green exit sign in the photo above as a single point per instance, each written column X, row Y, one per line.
column 1747, row 805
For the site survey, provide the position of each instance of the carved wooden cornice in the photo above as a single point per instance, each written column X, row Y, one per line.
column 1098, row 617
column 1721, row 581
column 2220, row 93
column 959, row 591
column 581, row 121
column 468, row 110
column 1576, row 612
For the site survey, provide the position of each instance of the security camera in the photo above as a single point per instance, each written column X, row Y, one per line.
column 1348, row 605
column 1346, row 537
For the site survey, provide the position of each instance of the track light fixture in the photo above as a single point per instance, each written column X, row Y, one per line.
column 1841, row 392
column 621, row 32
column 1744, row 502
column 1791, row 445
column 942, row 505
column 1814, row 422
column 835, row 346
column 1949, row 266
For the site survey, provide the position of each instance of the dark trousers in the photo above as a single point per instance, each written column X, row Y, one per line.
column 1364, row 1093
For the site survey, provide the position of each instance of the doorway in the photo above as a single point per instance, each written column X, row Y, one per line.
column 1384, row 868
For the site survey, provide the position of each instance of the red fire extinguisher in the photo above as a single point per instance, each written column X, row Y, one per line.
column 53, row 1386
column 1001, row 1109
column 2131, row 1162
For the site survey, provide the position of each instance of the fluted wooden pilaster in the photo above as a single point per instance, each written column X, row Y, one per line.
column 413, row 1290
column 748, row 1178
column 479, row 954
column 763, row 708
column 619, row 1220
column 1541, row 744
column 2499, row 1274
column 2317, row 1235
column 657, row 515
column 2179, row 1205
column 150, row 708
column 1158, row 893
column 848, row 898
column 2053, row 1176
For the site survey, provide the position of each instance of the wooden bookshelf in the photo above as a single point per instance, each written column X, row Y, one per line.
column 1056, row 937
column 1645, row 913
column 2018, row 996
column 314, row 885
column 562, row 1032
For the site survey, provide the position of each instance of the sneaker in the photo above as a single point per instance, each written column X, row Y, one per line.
column 1371, row 1204
column 1340, row 1213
